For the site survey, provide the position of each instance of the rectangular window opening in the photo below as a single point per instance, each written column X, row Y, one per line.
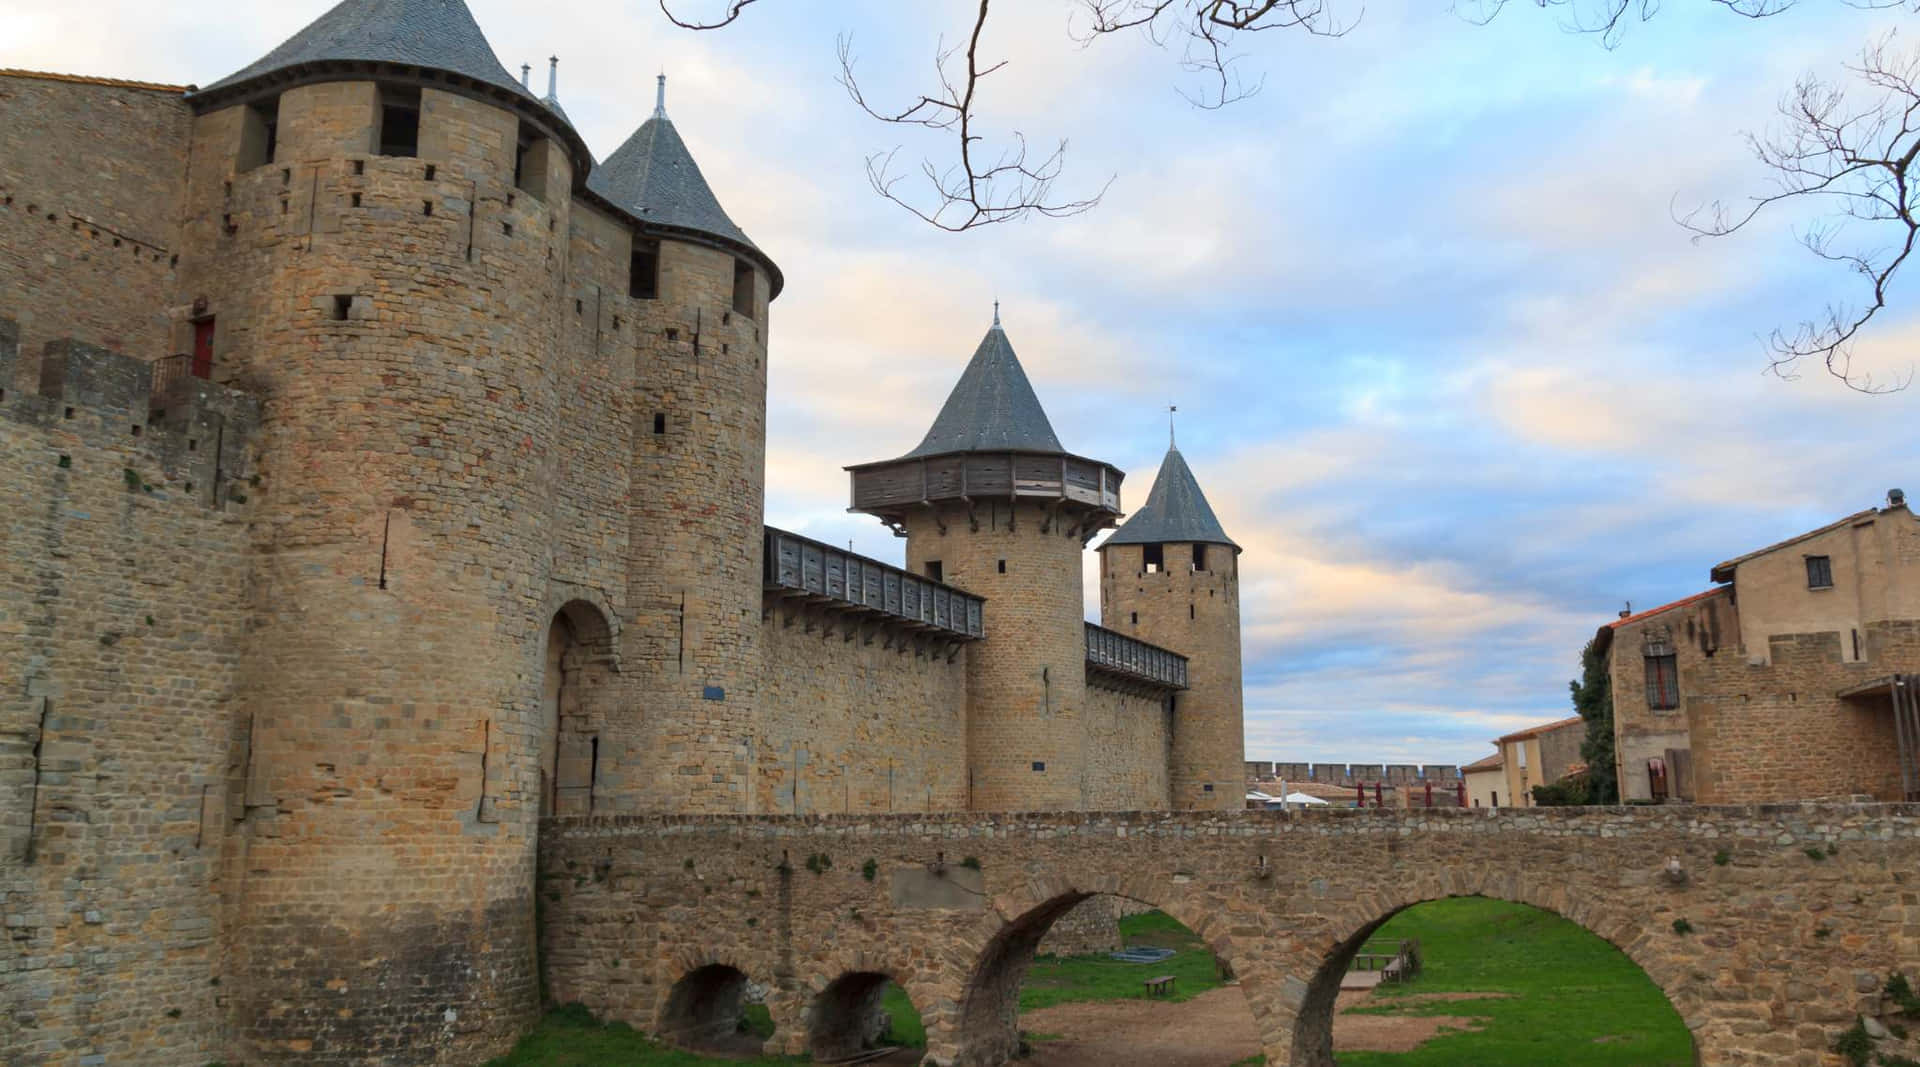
column 1039, row 765
column 1153, row 558
column 743, row 288
column 1819, row 572
column 1199, row 557
column 1003, row 566
column 400, row 122
column 1190, row 612
column 643, row 270
column 342, row 306
column 934, row 571
column 659, row 423
column 259, row 134
column 530, row 161
column 1663, row 681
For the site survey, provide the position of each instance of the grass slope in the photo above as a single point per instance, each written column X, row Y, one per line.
column 1574, row 1000
column 1074, row 979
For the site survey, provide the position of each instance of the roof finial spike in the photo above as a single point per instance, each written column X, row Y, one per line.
column 526, row 70
column 996, row 314
column 553, row 77
column 660, row 97
column 1171, row 408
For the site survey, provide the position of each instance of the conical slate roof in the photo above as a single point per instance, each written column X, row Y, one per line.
column 991, row 408
column 437, row 34
column 1176, row 510
column 654, row 177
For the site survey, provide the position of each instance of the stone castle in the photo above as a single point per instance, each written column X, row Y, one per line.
column 383, row 474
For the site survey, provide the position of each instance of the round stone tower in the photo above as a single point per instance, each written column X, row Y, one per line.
column 698, row 292
column 377, row 246
column 1170, row 576
column 992, row 503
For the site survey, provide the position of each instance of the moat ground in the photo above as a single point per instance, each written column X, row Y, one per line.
column 1505, row 985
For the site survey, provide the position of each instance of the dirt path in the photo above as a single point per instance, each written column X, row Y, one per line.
column 1211, row 1030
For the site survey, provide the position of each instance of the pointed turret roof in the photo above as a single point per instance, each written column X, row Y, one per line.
column 1176, row 510
column 653, row 177
column 437, row 34
column 992, row 407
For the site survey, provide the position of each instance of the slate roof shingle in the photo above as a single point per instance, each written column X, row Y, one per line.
column 654, row 177
column 439, row 34
column 1176, row 510
column 992, row 407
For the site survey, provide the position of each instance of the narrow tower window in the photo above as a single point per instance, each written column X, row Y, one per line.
column 743, row 288
column 342, row 306
column 259, row 134
column 1152, row 558
column 1199, row 557
column 933, row 570
column 399, row 121
column 1003, row 566
column 659, row 422
column 643, row 270
column 530, row 161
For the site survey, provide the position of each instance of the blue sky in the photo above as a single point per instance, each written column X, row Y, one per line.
column 1445, row 365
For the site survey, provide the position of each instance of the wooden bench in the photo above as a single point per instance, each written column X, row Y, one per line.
column 1161, row 986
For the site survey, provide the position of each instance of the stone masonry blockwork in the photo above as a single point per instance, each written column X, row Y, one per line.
column 1783, row 953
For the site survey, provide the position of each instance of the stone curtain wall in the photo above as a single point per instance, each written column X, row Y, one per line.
column 121, row 610
column 1779, row 952
column 1129, row 745
column 856, row 725
column 90, row 184
column 1776, row 730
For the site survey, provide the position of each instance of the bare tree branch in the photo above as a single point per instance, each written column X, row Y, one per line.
column 972, row 191
column 1608, row 19
column 1858, row 162
column 734, row 7
column 1207, row 29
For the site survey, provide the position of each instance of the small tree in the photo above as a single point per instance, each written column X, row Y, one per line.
column 1593, row 699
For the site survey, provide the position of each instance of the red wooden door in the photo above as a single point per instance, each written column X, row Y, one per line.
column 203, row 349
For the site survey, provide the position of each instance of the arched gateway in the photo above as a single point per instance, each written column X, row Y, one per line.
column 1774, row 941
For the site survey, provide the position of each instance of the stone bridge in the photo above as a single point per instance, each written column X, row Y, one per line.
column 1769, row 928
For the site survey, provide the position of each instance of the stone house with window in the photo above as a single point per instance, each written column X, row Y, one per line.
column 1792, row 679
column 1486, row 780
column 1537, row 755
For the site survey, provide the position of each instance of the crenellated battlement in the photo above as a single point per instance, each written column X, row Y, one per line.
column 183, row 437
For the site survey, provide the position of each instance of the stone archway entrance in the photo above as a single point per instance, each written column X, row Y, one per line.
column 576, row 673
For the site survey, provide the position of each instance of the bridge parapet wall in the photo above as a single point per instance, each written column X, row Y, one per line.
column 1778, row 952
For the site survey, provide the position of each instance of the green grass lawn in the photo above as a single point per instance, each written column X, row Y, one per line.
column 1574, row 1000
column 571, row 1037
column 1070, row 979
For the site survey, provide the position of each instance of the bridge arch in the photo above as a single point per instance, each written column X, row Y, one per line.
column 987, row 1030
column 703, row 1008
column 1297, row 1026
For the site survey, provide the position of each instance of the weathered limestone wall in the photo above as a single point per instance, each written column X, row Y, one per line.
column 1129, row 746
column 850, row 724
column 122, row 580
column 691, row 651
column 1777, row 731
column 1026, row 683
column 90, row 184
column 401, row 586
column 1782, row 952
column 1195, row 611
column 1875, row 565
column 1698, row 633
